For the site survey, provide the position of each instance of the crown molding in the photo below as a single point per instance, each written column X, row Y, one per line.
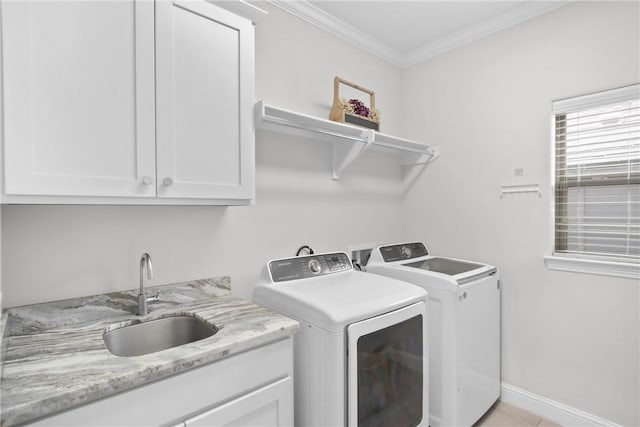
column 493, row 25
column 323, row 20
column 242, row 8
column 332, row 25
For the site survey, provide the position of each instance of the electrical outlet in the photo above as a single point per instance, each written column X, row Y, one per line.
column 518, row 172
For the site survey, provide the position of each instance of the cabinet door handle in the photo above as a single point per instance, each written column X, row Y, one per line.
column 167, row 182
column 147, row 180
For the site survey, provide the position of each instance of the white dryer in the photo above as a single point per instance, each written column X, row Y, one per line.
column 361, row 355
column 464, row 328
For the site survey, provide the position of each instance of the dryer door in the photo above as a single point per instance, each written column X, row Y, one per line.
column 388, row 377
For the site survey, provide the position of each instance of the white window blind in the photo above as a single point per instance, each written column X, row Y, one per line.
column 597, row 175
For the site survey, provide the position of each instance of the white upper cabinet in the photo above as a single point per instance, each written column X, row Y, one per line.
column 204, row 89
column 127, row 102
column 78, row 98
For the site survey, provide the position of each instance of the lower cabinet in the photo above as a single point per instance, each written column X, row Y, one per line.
column 250, row 389
column 267, row 406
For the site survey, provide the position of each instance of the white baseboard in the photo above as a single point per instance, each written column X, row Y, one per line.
column 557, row 412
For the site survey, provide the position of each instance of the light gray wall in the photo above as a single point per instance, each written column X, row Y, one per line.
column 570, row 337
column 55, row 252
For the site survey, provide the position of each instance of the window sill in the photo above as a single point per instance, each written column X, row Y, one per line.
column 593, row 266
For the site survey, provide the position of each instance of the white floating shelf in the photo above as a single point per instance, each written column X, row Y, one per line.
column 349, row 142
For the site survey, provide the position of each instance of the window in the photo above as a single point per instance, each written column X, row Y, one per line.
column 597, row 175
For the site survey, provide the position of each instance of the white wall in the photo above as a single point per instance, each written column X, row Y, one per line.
column 570, row 337
column 55, row 252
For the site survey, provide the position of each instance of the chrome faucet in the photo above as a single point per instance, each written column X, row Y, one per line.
column 143, row 299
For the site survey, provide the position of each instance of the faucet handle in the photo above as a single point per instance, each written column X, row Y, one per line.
column 154, row 298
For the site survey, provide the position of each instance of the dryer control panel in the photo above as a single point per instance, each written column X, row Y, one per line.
column 283, row 270
column 403, row 251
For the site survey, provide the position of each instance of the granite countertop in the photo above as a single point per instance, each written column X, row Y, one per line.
column 53, row 356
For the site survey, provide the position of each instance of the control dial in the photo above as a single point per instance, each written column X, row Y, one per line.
column 406, row 251
column 314, row 266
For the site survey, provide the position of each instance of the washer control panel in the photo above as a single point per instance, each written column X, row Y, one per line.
column 403, row 251
column 283, row 270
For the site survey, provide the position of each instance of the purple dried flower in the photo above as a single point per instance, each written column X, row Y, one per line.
column 359, row 108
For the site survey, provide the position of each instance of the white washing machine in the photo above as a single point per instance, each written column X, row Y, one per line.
column 464, row 328
column 361, row 355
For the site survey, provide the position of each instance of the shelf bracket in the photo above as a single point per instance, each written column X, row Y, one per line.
column 418, row 163
column 343, row 154
column 422, row 158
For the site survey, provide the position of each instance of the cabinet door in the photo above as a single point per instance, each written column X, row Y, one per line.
column 269, row 406
column 204, row 92
column 78, row 98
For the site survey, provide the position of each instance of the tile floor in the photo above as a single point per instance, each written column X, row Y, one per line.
column 505, row 415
